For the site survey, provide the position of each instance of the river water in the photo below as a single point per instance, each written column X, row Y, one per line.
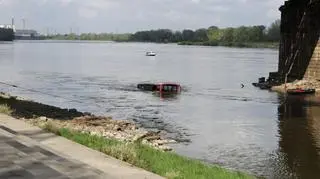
column 214, row 118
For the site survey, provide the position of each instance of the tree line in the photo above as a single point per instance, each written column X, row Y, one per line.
column 91, row 36
column 231, row 36
column 212, row 34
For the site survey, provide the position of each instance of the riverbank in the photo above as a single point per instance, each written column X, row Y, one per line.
column 120, row 139
column 271, row 45
column 41, row 115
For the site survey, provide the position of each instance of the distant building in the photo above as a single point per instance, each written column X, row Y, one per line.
column 26, row 34
column 8, row 26
column 6, row 32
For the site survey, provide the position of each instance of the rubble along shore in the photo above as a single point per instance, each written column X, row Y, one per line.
column 123, row 130
column 305, row 83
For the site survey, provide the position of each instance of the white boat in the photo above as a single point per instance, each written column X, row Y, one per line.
column 150, row 53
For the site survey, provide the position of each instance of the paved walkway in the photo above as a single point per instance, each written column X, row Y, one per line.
column 28, row 152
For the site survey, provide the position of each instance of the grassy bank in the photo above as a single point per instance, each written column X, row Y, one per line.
column 271, row 45
column 167, row 164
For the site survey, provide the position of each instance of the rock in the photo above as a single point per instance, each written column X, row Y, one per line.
column 94, row 133
column 99, row 129
column 140, row 136
column 171, row 141
column 165, row 148
column 122, row 130
column 155, row 144
column 154, row 137
column 137, row 138
column 105, row 134
column 43, row 118
column 162, row 142
column 117, row 128
column 144, row 142
column 41, row 125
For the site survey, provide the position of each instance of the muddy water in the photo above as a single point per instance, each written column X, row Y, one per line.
column 214, row 118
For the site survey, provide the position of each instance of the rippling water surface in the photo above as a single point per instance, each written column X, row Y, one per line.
column 214, row 118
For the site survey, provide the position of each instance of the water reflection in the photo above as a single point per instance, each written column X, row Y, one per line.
column 299, row 139
column 166, row 97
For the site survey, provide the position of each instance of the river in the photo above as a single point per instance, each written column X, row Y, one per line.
column 214, row 119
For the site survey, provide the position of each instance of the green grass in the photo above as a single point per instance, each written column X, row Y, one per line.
column 5, row 109
column 167, row 164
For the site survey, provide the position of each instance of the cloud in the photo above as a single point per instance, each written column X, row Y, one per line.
column 65, row 2
column 4, row 3
column 132, row 15
column 195, row 1
column 273, row 14
column 87, row 12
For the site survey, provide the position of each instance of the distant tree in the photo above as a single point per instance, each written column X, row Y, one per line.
column 273, row 32
column 187, row 35
column 241, row 34
column 164, row 35
column 227, row 35
column 92, row 36
column 201, row 35
column 256, row 33
column 210, row 36
column 261, row 32
column 215, row 35
column 213, row 28
column 178, row 36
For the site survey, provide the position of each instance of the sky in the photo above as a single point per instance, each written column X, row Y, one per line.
column 120, row 16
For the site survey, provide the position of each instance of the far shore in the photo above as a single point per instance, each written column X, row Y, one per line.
column 267, row 45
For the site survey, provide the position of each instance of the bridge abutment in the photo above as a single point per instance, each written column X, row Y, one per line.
column 313, row 70
column 298, row 51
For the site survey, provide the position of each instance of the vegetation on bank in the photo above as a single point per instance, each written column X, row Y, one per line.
column 258, row 36
column 167, row 164
column 5, row 109
column 272, row 45
column 92, row 36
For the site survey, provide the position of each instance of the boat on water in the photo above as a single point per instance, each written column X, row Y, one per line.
column 151, row 53
column 162, row 88
column 300, row 91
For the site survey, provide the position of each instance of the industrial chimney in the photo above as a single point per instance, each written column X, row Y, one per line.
column 12, row 24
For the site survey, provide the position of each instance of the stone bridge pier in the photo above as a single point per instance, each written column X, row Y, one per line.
column 299, row 50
